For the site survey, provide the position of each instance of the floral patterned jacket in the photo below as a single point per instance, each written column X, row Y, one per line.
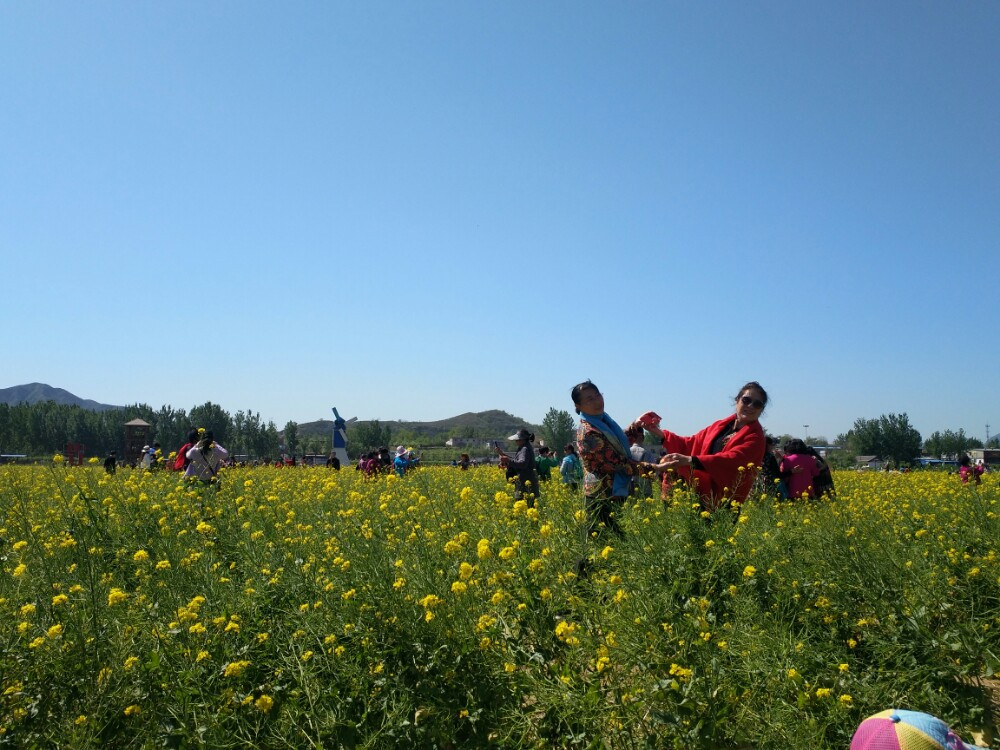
column 601, row 458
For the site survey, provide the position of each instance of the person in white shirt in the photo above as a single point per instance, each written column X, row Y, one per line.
column 206, row 459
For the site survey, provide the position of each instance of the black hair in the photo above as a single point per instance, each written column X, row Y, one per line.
column 964, row 460
column 544, row 450
column 755, row 386
column 796, row 445
column 578, row 389
column 570, row 447
column 193, row 436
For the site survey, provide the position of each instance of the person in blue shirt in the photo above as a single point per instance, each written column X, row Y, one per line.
column 404, row 461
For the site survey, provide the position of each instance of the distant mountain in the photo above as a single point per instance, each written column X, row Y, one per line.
column 485, row 424
column 34, row 393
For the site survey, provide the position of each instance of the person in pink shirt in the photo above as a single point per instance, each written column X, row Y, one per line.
column 967, row 470
column 803, row 467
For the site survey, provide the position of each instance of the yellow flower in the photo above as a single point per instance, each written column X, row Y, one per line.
column 235, row 668
column 843, row 667
column 202, row 655
column 264, row 704
column 483, row 549
column 457, row 587
column 37, row 642
column 749, row 571
column 823, row 692
column 131, row 662
column 846, row 699
column 55, row 631
column 20, row 570
column 116, row 596
column 606, row 552
column 58, row 458
column 163, row 565
column 80, row 720
column 133, row 710
column 59, row 599
column 506, row 553
column 465, row 571
column 27, row 609
column 140, row 556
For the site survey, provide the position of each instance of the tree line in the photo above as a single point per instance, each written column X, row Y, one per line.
column 46, row 427
column 891, row 437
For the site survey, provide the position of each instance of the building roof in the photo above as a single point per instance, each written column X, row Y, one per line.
column 866, row 459
column 137, row 423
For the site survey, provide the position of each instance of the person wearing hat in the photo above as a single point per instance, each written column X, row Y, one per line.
column 521, row 467
column 898, row 729
column 403, row 462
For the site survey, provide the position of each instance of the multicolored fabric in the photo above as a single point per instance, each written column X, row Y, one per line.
column 602, row 459
column 898, row 729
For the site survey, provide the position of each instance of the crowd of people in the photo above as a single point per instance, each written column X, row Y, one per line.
column 720, row 463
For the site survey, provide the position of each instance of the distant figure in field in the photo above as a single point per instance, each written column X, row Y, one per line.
column 385, row 461
column 544, row 463
column 111, row 463
column 464, row 462
column 823, row 484
column 642, row 485
column 206, row 459
column 404, row 461
column 770, row 473
column 521, row 466
column 797, row 456
column 571, row 469
column 332, row 462
column 182, row 461
column 966, row 470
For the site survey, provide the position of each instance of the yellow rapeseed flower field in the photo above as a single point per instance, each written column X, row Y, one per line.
column 314, row 607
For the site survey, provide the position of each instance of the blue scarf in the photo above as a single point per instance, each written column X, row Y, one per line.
column 622, row 481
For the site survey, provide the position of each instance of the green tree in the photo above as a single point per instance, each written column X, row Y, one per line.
column 367, row 436
column 213, row 417
column 291, row 437
column 890, row 437
column 558, row 428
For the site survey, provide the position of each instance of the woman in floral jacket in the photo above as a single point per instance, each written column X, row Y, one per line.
column 607, row 462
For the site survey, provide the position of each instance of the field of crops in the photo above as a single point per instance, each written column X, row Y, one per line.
column 308, row 608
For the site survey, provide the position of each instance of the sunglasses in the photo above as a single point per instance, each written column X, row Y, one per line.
column 756, row 403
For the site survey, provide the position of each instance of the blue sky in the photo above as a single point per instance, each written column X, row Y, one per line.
column 413, row 210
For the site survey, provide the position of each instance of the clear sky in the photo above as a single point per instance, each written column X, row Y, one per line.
column 414, row 210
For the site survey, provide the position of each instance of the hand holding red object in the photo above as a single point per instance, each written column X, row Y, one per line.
column 649, row 419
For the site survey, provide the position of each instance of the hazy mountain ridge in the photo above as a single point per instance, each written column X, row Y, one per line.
column 493, row 423
column 34, row 393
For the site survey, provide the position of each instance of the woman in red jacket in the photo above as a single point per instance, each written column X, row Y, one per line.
column 722, row 461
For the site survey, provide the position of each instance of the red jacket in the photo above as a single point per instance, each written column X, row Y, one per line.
column 721, row 476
